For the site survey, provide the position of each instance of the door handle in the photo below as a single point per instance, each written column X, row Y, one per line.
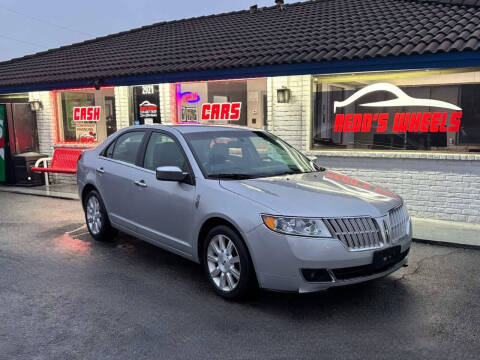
column 141, row 183
column 101, row 170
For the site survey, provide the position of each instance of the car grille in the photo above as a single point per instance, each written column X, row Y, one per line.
column 398, row 219
column 362, row 233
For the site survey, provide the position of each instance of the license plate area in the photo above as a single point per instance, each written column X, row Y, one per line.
column 386, row 258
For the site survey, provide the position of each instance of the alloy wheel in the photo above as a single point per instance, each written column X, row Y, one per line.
column 223, row 263
column 94, row 216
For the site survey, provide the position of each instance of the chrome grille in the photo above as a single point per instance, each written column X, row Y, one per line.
column 398, row 219
column 356, row 234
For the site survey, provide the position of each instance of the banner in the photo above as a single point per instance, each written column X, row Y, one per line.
column 2, row 143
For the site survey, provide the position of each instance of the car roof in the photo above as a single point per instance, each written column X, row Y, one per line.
column 188, row 129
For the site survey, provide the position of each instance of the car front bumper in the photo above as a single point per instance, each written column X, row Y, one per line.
column 279, row 260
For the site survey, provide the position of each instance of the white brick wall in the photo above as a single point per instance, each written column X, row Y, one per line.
column 290, row 121
column 165, row 103
column 122, row 107
column 46, row 131
column 434, row 189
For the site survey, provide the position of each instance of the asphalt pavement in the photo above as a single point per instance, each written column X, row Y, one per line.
column 65, row 296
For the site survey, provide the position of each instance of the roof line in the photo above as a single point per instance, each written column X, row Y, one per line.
column 100, row 38
column 407, row 62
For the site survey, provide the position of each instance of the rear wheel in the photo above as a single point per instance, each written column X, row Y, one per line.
column 227, row 263
column 97, row 219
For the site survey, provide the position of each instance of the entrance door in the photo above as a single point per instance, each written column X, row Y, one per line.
column 110, row 115
column 23, row 129
column 18, row 136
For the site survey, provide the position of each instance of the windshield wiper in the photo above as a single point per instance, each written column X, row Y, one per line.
column 231, row 176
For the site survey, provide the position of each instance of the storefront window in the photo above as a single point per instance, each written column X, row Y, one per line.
column 403, row 110
column 235, row 102
column 85, row 116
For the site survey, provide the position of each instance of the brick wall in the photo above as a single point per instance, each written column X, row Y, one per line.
column 44, row 121
column 122, row 107
column 290, row 121
column 165, row 103
column 435, row 189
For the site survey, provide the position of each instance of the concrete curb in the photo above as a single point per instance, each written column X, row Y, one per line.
column 441, row 231
column 45, row 193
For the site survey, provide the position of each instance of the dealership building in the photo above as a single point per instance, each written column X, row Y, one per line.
column 387, row 91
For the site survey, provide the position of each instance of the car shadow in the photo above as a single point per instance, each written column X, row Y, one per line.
column 389, row 296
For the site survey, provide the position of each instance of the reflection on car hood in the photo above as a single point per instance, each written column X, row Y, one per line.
column 320, row 194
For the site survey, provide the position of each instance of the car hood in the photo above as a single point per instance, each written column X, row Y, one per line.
column 320, row 194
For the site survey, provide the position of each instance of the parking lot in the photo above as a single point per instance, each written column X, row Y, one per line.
column 64, row 296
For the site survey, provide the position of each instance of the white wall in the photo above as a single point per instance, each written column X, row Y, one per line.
column 44, row 121
column 290, row 121
column 122, row 107
column 434, row 189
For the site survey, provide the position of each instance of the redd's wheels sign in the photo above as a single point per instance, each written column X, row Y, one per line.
column 86, row 113
column 430, row 121
column 222, row 112
column 148, row 110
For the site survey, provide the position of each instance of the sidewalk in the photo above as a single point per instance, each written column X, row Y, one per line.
column 61, row 191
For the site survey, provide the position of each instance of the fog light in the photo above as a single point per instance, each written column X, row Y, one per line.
column 316, row 275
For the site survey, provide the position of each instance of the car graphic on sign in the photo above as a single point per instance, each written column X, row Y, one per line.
column 402, row 99
column 146, row 105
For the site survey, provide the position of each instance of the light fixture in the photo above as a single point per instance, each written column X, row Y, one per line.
column 35, row 105
column 283, row 95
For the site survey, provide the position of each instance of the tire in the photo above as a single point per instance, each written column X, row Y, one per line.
column 96, row 218
column 228, row 267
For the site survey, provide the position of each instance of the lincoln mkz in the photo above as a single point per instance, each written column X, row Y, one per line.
column 250, row 208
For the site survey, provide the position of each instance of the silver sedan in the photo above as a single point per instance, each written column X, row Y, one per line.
column 250, row 208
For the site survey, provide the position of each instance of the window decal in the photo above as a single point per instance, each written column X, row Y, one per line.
column 221, row 111
column 86, row 113
column 446, row 121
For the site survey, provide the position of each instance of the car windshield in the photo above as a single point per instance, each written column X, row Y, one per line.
column 240, row 154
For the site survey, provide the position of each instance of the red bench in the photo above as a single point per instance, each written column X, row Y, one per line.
column 64, row 161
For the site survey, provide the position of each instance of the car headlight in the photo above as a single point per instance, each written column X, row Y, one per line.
column 297, row 226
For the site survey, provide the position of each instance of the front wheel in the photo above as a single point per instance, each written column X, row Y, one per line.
column 227, row 263
column 97, row 219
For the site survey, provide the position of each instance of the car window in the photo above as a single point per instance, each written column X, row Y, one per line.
column 127, row 145
column 109, row 151
column 246, row 153
column 162, row 150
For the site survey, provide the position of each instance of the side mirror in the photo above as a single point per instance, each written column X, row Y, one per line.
column 171, row 173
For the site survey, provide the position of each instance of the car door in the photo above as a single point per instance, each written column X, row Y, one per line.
column 116, row 174
column 163, row 210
